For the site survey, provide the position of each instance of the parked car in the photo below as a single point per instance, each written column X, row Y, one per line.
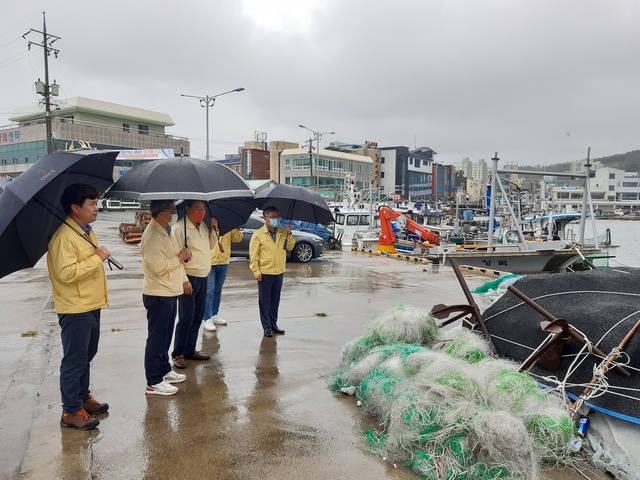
column 308, row 246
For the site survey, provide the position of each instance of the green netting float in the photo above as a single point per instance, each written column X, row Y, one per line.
column 464, row 345
column 378, row 391
column 404, row 323
column 356, row 349
column 515, row 391
column 415, row 361
column 551, row 430
column 499, row 438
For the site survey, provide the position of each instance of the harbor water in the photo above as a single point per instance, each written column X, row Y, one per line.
column 623, row 233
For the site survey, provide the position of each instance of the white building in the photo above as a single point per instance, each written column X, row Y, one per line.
column 325, row 170
column 83, row 121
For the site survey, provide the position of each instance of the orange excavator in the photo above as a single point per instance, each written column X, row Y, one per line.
column 387, row 236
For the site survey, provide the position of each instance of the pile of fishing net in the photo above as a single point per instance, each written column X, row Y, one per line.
column 447, row 408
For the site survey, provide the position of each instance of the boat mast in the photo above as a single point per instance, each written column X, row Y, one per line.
column 492, row 199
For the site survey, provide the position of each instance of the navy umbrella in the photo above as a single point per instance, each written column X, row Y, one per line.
column 30, row 208
column 296, row 203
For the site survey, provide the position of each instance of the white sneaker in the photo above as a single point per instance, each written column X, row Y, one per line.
column 162, row 388
column 218, row 320
column 173, row 377
column 208, row 325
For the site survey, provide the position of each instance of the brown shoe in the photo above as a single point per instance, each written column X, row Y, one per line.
column 80, row 420
column 178, row 361
column 198, row 356
column 93, row 407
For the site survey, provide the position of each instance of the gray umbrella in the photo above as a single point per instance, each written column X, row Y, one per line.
column 30, row 208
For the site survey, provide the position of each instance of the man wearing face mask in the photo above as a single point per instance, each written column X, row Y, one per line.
column 200, row 239
column 164, row 281
column 268, row 256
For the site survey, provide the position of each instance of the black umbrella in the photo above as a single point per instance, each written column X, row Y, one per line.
column 189, row 179
column 296, row 203
column 180, row 178
column 30, row 208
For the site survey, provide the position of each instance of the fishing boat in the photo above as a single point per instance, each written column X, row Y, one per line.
column 508, row 249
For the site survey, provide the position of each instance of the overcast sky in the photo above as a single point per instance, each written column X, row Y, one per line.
column 537, row 81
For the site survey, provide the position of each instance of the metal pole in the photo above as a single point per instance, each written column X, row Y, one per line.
column 585, row 199
column 206, row 102
column 492, row 204
column 318, row 136
column 311, row 161
column 47, row 42
column 207, row 117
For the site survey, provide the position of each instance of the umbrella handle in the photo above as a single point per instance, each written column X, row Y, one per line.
column 217, row 234
column 115, row 263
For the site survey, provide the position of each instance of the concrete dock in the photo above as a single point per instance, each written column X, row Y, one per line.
column 259, row 409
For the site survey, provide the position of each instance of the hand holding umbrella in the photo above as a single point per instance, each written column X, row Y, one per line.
column 216, row 232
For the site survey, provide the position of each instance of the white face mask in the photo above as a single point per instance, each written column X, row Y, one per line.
column 173, row 219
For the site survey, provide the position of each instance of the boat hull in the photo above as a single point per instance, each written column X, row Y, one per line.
column 534, row 261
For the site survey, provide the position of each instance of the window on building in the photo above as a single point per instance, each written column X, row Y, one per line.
column 629, row 184
column 4, row 161
column 612, row 176
column 417, row 162
column 126, row 127
column 68, row 119
column 26, row 159
column 381, row 159
column 381, row 174
column 612, row 188
column 15, row 160
column 411, row 161
column 143, row 129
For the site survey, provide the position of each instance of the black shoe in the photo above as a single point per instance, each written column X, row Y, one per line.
column 277, row 330
column 268, row 332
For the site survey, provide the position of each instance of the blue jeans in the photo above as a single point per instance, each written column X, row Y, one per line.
column 190, row 313
column 217, row 276
column 80, row 335
column 161, row 317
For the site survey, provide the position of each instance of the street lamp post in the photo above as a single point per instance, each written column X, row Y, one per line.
column 318, row 136
column 208, row 101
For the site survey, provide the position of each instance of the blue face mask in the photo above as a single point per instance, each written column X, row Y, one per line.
column 274, row 222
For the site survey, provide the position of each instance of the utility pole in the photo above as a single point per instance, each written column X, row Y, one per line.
column 317, row 136
column 45, row 89
column 311, row 161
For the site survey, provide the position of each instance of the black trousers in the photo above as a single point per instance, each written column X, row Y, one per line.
column 161, row 317
column 190, row 313
column 269, row 290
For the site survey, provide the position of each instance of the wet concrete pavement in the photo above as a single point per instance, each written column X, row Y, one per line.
column 259, row 409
